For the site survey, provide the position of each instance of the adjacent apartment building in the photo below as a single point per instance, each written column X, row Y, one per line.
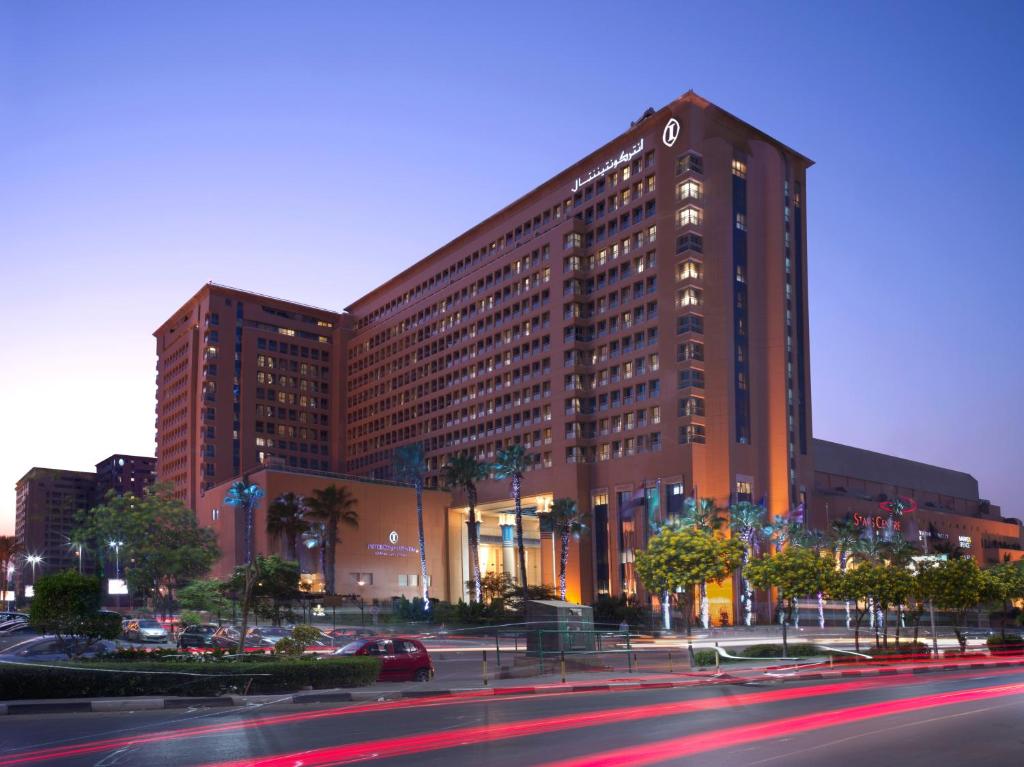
column 48, row 500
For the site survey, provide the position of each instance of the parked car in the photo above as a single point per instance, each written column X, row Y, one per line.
column 225, row 638
column 144, row 630
column 977, row 633
column 12, row 616
column 402, row 658
column 198, row 635
column 48, row 648
column 5, row 625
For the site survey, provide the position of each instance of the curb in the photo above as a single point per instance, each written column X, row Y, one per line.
column 109, row 705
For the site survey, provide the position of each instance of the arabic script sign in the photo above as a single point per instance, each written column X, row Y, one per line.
column 623, row 157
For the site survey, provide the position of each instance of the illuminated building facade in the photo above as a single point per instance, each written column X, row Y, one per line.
column 638, row 322
column 244, row 379
column 948, row 512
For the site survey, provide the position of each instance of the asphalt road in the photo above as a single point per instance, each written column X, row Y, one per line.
column 954, row 718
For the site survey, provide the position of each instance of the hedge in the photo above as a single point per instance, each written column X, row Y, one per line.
column 103, row 678
column 705, row 657
column 1011, row 644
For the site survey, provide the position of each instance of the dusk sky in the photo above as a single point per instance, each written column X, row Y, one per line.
column 312, row 150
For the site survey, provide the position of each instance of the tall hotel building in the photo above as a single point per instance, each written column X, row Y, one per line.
column 638, row 322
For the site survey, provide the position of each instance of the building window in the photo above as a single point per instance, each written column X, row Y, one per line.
column 739, row 168
column 744, row 489
column 691, row 378
column 689, row 297
column 741, row 221
column 689, row 163
column 689, row 190
column 690, row 217
column 691, row 434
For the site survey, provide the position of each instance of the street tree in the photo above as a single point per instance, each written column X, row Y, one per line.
column 748, row 522
column 276, row 585
column 566, row 522
column 206, row 595
column 461, row 473
column 678, row 559
column 162, row 546
column 794, row 572
column 956, row 585
column 705, row 516
column 1005, row 585
column 286, row 518
column 513, row 463
column 853, row 585
column 411, row 466
column 334, row 506
column 843, row 538
column 245, row 496
column 68, row 605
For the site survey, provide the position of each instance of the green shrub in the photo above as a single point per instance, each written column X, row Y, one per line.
column 306, row 635
column 704, row 657
column 108, row 678
column 68, row 604
column 1011, row 644
column 776, row 651
column 903, row 650
column 189, row 618
column 289, row 646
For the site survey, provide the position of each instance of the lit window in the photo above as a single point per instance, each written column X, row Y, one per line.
column 741, row 221
column 690, row 217
column 739, row 168
column 688, row 270
column 689, row 190
column 689, row 297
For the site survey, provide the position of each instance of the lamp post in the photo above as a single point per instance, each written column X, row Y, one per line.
column 33, row 559
column 362, row 613
column 116, row 546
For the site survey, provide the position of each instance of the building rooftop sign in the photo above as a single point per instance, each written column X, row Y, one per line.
column 623, row 157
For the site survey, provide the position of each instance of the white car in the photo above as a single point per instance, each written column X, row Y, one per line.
column 145, row 630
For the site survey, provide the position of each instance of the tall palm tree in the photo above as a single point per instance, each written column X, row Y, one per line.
column 286, row 516
column 247, row 496
column 333, row 505
column 748, row 522
column 10, row 549
column 410, row 466
column 567, row 521
column 513, row 463
column 702, row 515
column 844, row 536
column 462, row 472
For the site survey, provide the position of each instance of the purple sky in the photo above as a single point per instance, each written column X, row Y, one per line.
column 311, row 150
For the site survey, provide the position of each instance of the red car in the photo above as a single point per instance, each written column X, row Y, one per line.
column 401, row 658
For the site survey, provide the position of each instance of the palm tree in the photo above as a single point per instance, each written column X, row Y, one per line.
column 246, row 495
column 286, row 516
column 332, row 505
column 705, row 516
column 462, row 472
column 748, row 522
column 567, row 520
column 844, row 536
column 512, row 463
column 10, row 549
column 410, row 466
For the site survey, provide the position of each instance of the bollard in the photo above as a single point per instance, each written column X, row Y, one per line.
column 670, row 661
column 718, row 660
column 831, row 658
column 562, row 661
column 497, row 649
column 485, row 668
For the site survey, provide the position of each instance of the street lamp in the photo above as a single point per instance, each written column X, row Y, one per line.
column 116, row 546
column 33, row 559
column 362, row 614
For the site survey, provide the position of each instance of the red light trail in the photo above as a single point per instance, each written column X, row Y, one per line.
column 433, row 741
column 689, row 745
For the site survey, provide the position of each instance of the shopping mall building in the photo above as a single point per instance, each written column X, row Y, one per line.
column 638, row 322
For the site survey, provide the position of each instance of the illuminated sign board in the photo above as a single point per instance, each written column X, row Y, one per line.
column 623, row 157
column 117, row 586
column 671, row 132
column 391, row 550
column 876, row 521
